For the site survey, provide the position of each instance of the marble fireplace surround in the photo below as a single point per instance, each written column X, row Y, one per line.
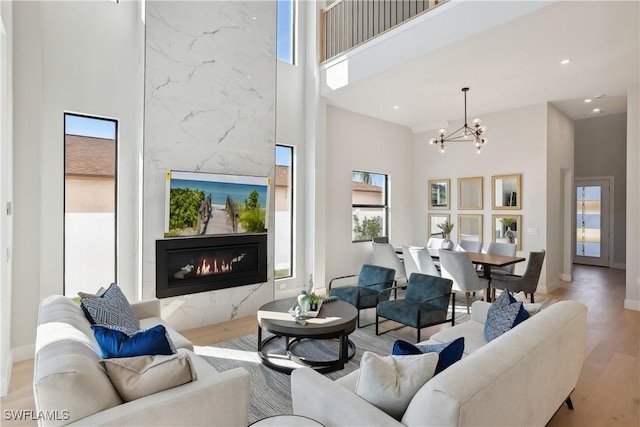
column 210, row 93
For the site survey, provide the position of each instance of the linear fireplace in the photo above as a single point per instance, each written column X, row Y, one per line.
column 200, row 264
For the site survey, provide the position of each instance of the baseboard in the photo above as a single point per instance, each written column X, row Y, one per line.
column 619, row 265
column 566, row 277
column 25, row 352
column 632, row 304
column 6, row 375
column 549, row 287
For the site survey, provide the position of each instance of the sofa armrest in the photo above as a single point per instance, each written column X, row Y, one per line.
column 317, row 397
column 479, row 311
column 147, row 308
column 216, row 400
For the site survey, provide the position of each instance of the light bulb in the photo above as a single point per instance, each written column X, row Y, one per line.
column 478, row 150
column 484, row 141
column 476, row 122
column 442, row 149
column 442, row 132
column 432, row 141
column 482, row 129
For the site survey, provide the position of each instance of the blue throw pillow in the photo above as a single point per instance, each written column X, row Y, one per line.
column 448, row 353
column 114, row 343
column 504, row 314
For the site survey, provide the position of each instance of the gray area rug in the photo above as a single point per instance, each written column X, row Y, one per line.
column 271, row 390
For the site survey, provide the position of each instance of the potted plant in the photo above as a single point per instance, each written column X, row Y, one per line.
column 446, row 228
column 313, row 301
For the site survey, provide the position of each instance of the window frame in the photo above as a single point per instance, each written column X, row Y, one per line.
column 291, row 214
column 292, row 33
column 384, row 206
column 64, row 190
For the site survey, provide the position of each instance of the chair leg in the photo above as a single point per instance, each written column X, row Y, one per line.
column 377, row 323
column 569, row 403
column 358, row 318
column 418, row 335
column 466, row 298
column 532, row 301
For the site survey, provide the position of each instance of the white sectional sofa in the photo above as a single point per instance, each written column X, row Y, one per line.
column 520, row 378
column 71, row 387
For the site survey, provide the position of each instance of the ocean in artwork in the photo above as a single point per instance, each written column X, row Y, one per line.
column 220, row 190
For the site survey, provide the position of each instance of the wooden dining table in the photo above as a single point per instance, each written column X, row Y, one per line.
column 487, row 261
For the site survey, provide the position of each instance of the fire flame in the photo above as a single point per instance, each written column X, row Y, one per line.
column 218, row 266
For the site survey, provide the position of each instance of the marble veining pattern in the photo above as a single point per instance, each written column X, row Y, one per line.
column 209, row 107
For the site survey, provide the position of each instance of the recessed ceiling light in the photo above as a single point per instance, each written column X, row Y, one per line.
column 598, row 97
column 396, row 107
column 596, row 110
column 565, row 61
column 588, row 100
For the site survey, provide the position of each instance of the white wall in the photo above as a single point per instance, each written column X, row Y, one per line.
column 210, row 107
column 516, row 145
column 290, row 130
column 632, row 300
column 84, row 57
column 559, row 167
column 601, row 150
column 357, row 142
column 6, row 191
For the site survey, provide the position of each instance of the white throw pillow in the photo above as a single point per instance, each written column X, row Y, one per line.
column 139, row 376
column 390, row 382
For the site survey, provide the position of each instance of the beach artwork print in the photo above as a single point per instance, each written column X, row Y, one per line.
column 206, row 203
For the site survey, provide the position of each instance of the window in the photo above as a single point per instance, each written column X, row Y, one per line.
column 369, row 206
column 286, row 27
column 284, row 212
column 90, row 153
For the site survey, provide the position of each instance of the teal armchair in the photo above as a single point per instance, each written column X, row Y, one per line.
column 426, row 303
column 371, row 280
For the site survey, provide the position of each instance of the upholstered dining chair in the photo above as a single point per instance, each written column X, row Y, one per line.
column 365, row 294
column 426, row 303
column 385, row 255
column 434, row 243
column 457, row 266
column 528, row 282
column 469, row 246
column 506, row 249
column 417, row 259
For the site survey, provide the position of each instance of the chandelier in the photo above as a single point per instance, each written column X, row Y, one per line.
column 465, row 133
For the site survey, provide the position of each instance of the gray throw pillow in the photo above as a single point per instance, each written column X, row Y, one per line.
column 112, row 310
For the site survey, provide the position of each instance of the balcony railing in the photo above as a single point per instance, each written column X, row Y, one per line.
column 349, row 23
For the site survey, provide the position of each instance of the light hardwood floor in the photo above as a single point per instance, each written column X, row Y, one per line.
column 607, row 394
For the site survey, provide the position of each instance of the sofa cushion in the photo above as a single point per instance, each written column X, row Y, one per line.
column 448, row 353
column 136, row 377
column 390, row 382
column 111, row 309
column 504, row 314
column 471, row 331
column 114, row 343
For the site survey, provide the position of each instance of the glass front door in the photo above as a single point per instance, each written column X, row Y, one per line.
column 592, row 222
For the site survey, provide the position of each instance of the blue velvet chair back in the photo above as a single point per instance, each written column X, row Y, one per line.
column 382, row 277
column 422, row 287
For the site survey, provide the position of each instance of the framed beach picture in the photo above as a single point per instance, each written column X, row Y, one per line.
column 200, row 203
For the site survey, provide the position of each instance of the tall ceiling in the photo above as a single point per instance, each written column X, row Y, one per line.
column 511, row 65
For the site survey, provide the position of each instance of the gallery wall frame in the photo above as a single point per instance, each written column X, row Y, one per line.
column 507, row 228
column 506, row 192
column 470, row 227
column 470, row 193
column 439, row 193
column 435, row 219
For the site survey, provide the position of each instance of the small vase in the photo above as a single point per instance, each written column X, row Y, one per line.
column 447, row 243
column 509, row 235
column 303, row 301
